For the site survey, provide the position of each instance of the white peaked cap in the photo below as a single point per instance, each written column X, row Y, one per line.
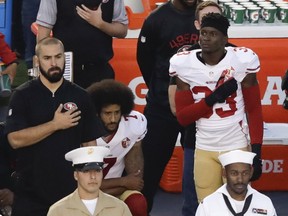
column 236, row 156
column 89, row 154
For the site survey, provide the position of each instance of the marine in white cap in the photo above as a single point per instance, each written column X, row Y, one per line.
column 88, row 199
column 236, row 197
column 88, row 158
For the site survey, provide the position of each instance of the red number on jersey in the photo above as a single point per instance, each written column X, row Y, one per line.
column 110, row 161
column 130, row 116
column 219, row 111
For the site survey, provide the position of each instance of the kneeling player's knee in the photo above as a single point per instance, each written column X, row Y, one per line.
column 137, row 204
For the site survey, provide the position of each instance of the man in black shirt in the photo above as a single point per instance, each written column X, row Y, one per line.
column 163, row 33
column 87, row 29
column 47, row 117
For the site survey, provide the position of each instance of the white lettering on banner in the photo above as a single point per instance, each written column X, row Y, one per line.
column 274, row 166
column 134, row 83
column 273, row 88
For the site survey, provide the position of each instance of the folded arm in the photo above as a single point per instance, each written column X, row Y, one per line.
column 188, row 111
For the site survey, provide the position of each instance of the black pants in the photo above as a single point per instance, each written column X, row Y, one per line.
column 157, row 146
column 86, row 74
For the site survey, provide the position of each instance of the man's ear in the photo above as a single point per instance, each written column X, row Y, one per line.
column 75, row 176
column 225, row 40
column 197, row 24
column 252, row 171
column 35, row 61
column 224, row 173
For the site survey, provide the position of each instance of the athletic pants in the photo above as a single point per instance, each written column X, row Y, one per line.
column 157, row 146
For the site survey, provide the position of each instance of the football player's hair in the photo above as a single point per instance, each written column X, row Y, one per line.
column 108, row 92
column 217, row 21
column 205, row 4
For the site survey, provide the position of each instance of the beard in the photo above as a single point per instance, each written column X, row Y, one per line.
column 52, row 77
column 188, row 5
column 111, row 127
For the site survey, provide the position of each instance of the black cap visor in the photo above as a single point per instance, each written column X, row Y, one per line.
column 89, row 166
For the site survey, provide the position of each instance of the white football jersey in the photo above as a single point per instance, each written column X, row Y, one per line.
column 132, row 128
column 203, row 79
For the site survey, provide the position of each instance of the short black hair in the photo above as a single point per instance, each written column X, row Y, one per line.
column 108, row 92
column 217, row 21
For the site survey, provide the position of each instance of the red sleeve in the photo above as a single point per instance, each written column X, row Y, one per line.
column 253, row 108
column 187, row 111
column 6, row 53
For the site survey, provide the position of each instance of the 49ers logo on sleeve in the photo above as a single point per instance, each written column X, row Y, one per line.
column 126, row 142
column 69, row 105
column 226, row 74
column 184, row 48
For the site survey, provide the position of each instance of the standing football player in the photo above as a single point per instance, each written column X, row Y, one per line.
column 217, row 87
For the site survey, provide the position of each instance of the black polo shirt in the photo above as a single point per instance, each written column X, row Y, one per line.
column 45, row 175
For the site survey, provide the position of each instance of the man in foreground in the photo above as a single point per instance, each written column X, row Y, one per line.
column 236, row 197
column 88, row 199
